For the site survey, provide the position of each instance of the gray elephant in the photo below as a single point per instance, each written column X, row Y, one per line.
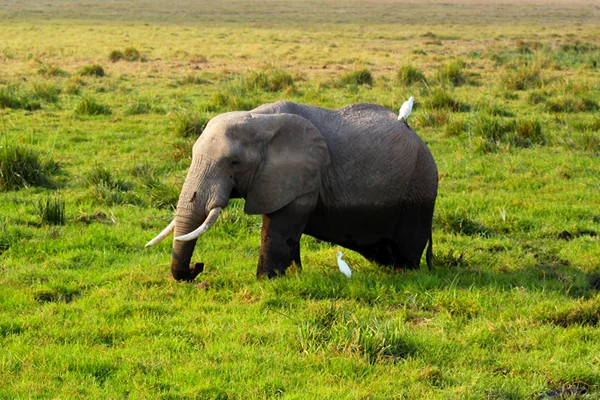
column 355, row 176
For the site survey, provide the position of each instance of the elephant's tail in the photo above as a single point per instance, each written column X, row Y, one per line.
column 429, row 254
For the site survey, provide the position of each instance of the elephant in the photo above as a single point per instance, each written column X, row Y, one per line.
column 354, row 176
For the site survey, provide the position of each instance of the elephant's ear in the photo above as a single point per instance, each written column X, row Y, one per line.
column 295, row 156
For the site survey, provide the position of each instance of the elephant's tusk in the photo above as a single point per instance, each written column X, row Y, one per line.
column 166, row 232
column 212, row 217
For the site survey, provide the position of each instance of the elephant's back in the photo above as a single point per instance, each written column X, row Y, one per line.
column 374, row 159
column 366, row 113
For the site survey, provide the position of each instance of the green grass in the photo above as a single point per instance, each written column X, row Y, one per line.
column 506, row 100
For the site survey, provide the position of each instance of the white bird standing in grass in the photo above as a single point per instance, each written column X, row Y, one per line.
column 406, row 109
column 344, row 268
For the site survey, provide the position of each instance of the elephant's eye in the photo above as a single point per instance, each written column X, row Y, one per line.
column 234, row 163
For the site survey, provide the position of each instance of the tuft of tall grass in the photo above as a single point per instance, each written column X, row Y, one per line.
column 455, row 127
column 329, row 328
column 452, row 73
column 109, row 190
column 192, row 79
column 522, row 78
column 493, row 131
column 163, row 196
column 450, row 259
column 129, row 54
column 269, row 81
column 132, row 54
column 20, row 167
column 439, row 99
column 15, row 98
column 92, row 70
column 51, row 70
column 47, row 91
column 115, row 55
column 51, row 210
column 226, row 100
column 358, row 77
column 586, row 140
column 433, row 118
column 101, row 176
column 569, row 104
column 90, row 106
column 144, row 105
column 409, row 75
column 189, row 124
column 461, row 223
column 528, row 132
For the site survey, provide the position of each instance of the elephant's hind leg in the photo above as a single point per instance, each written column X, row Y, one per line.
column 280, row 236
column 412, row 234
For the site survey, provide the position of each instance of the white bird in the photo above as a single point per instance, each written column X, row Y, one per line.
column 344, row 268
column 406, row 109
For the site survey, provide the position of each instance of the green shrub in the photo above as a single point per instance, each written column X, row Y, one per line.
column 90, row 106
column 92, row 70
column 52, row 210
column 20, row 167
column 409, row 75
column 189, row 124
column 359, row 77
column 115, row 55
column 452, row 73
column 15, row 98
column 47, row 91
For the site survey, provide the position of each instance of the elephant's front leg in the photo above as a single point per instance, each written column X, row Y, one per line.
column 280, row 236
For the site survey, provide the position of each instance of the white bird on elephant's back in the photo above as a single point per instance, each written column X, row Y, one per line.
column 344, row 268
column 406, row 109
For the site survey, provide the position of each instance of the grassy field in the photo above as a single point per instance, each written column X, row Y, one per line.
column 100, row 104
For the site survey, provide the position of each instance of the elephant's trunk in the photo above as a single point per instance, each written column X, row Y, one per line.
column 182, row 251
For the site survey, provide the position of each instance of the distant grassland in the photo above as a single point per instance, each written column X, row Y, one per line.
column 100, row 104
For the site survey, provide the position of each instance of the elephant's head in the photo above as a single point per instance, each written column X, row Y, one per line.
column 268, row 159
